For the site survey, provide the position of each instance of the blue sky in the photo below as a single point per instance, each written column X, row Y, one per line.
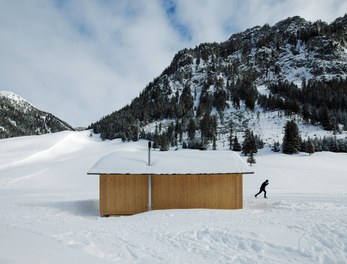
column 81, row 60
column 170, row 7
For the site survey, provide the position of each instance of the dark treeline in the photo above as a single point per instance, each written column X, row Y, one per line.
column 331, row 144
column 319, row 102
column 293, row 143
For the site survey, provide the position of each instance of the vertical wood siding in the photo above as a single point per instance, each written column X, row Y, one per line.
column 219, row 191
column 128, row 194
column 123, row 194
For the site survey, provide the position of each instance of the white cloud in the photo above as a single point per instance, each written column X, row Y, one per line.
column 81, row 60
column 211, row 20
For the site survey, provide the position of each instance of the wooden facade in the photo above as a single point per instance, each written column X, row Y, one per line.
column 125, row 194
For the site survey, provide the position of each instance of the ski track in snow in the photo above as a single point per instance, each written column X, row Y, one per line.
column 55, row 213
column 282, row 229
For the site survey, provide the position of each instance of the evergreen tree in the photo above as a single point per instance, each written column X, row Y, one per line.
column 123, row 137
column 214, row 143
column 178, row 130
column 305, row 112
column 103, row 136
column 276, row 147
column 310, row 149
column 236, row 101
column 324, row 117
column 156, row 140
column 165, row 142
column 191, row 129
column 259, row 142
column 249, row 144
column 186, row 101
column 208, row 127
column 231, row 128
column 291, row 140
column 236, row 144
column 251, row 159
column 170, row 134
column 250, row 102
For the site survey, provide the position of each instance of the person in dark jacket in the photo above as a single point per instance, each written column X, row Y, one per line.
column 262, row 188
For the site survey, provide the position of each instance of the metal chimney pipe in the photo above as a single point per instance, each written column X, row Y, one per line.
column 149, row 152
column 149, row 178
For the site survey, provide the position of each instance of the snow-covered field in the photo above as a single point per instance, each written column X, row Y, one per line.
column 49, row 211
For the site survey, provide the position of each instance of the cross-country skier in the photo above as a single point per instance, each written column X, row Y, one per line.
column 262, row 188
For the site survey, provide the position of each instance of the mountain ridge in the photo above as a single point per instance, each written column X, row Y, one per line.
column 18, row 117
column 221, row 83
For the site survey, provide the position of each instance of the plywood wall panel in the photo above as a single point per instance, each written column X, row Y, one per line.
column 123, row 194
column 219, row 191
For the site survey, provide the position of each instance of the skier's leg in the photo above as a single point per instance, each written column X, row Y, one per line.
column 265, row 194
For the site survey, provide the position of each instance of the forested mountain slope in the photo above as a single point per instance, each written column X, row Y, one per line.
column 296, row 67
column 19, row 118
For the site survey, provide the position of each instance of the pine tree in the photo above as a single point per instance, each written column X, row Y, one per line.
column 249, row 144
column 191, row 129
column 103, row 136
column 156, row 140
column 236, row 144
column 165, row 142
column 251, row 159
column 310, row 149
column 231, row 125
column 291, row 140
column 123, row 137
column 305, row 112
column 178, row 131
column 186, row 101
column 276, row 147
column 184, row 145
column 324, row 117
column 214, row 143
column 208, row 127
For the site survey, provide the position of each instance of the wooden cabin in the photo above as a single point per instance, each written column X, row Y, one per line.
column 173, row 179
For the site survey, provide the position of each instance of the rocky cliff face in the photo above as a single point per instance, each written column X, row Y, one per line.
column 19, row 118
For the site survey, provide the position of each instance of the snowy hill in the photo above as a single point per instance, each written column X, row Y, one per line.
column 49, row 210
column 19, row 118
column 295, row 69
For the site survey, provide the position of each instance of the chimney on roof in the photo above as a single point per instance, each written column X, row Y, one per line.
column 149, row 152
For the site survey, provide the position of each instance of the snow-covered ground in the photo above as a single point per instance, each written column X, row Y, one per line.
column 49, row 211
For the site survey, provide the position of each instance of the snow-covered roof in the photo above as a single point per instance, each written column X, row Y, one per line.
column 171, row 162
